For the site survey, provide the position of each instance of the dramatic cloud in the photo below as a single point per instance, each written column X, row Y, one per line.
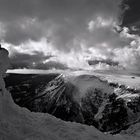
column 64, row 22
column 129, row 56
column 72, row 31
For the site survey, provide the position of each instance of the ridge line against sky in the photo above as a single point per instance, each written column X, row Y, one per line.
column 70, row 34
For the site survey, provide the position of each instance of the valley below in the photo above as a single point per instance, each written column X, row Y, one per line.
column 112, row 107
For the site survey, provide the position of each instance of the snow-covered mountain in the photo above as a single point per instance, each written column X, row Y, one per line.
column 17, row 123
column 84, row 99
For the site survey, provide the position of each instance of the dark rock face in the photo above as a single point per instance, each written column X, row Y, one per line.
column 55, row 97
column 114, row 115
column 90, row 105
column 107, row 112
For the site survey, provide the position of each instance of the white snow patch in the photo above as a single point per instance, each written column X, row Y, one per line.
column 128, row 96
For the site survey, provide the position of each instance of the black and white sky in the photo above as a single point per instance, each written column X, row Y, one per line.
column 86, row 34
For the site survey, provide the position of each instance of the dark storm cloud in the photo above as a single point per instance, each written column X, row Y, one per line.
column 35, row 61
column 26, row 60
column 131, row 16
column 108, row 62
column 132, row 13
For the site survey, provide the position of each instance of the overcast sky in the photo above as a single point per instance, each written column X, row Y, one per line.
column 69, row 33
